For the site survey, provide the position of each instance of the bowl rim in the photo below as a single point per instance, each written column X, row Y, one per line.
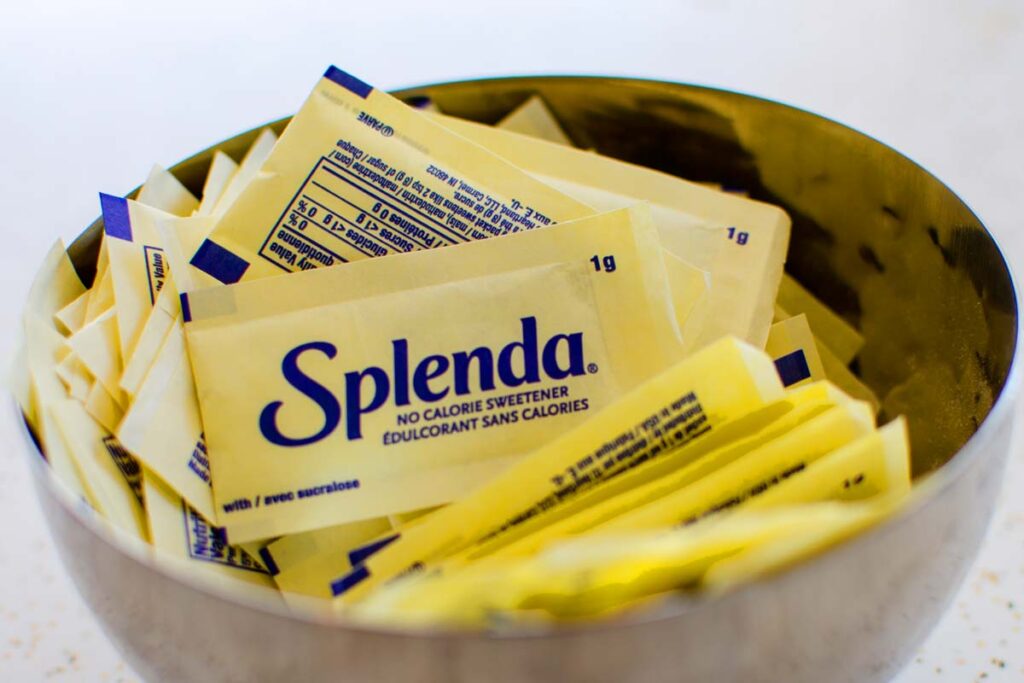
column 925, row 492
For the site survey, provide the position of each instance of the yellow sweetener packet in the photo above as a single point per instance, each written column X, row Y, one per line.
column 693, row 221
column 836, row 370
column 753, row 474
column 304, row 564
column 534, row 118
column 179, row 531
column 839, row 336
column 791, row 345
column 163, row 191
column 167, row 396
column 654, row 479
column 110, row 475
column 358, row 174
column 222, row 169
column 163, row 427
column 435, row 390
column 836, row 522
column 691, row 399
column 138, row 267
column 876, row 463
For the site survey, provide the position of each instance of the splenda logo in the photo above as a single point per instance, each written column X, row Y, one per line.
column 433, row 378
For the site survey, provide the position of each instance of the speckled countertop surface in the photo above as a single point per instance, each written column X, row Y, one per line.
column 94, row 93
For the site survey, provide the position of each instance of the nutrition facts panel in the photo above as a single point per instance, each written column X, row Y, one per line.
column 338, row 209
column 355, row 205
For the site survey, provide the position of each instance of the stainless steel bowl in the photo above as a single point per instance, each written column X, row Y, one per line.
column 874, row 235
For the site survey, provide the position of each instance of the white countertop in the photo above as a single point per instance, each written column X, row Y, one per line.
column 94, row 93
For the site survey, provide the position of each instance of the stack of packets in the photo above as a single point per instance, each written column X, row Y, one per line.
column 602, row 391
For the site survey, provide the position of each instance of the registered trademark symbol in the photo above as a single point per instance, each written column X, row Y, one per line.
column 592, row 368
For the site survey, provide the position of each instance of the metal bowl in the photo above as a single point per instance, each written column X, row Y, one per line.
column 874, row 235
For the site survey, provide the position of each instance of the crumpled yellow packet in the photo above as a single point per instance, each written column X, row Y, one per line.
column 653, row 480
column 791, row 345
column 163, row 191
column 439, row 390
column 751, row 475
column 693, row 398
column 358, row 174
column 138, row 266
column 109, row 474
column 839, row 336
column 693, row 221
column 222, row 169
column 179, row 531
column 534, row 118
